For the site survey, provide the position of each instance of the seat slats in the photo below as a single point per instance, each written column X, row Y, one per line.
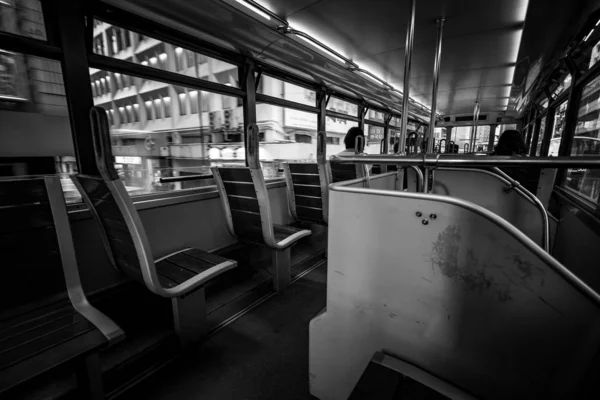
column 173, row 271
column 307, row 190
column 56, row 355
column 239, row 189
column 305, row 179
column 304, row 168
column 32, row 320
column 206, row 256
column 26, row 336
column 191, row 265
column 25, row 217
column 310, row 213
column 244, row 218
column 24, row 191
column 236, row 174
column 309, row 201
column 43, row 343
column 243, row 203
column 284, row 231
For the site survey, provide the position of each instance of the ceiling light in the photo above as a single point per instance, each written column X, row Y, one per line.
column 255, row 9
column 588, row 36
column 340, row 59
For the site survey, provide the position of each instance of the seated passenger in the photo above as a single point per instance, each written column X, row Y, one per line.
column 350, row 139
column 350, row 142
column 510, row 143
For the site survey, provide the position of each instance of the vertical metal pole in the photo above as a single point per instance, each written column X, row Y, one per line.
column 321, row 129
column 436, row 77
column 474, row 129
column 408, row 49
column 250, row 115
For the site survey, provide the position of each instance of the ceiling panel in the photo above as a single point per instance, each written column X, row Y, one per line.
column 480, row 47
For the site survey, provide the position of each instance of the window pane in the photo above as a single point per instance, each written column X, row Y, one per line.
column 283, row 90
column 586, row 142
column 157, row 131
column 557, row 129
column 562, row 86
column 538, row 148
column 342, row 107
column 285, row 134
column 336, row 129
column 129, row 46
column 35, row 133
column 22, row 17
column 376, row 116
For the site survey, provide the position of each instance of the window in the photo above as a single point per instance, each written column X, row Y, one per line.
column 165, row 56
column 557, row 129
column 376, row 116
column 22, row 17
column 282, row 127
column 586, row 142
column 284, row 90
column 153, row 138
column 538, row 147
column 342, row 107
column 564, row 84
column 36, row 132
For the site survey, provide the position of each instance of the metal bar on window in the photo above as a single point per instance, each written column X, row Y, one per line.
column 348, row 117
column 263, row 98
column 23, row 44
column 125, row 67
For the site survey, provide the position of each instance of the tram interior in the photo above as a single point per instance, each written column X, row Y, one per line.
column 185, row 214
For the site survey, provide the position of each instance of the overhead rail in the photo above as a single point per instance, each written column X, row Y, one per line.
column 285, row 28
column 442, row 160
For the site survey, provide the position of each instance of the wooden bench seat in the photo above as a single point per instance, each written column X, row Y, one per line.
column 248, row 215
column 307, row 191
column 181, row 276
column 45, row 318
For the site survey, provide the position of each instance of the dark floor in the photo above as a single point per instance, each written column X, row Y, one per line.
column 262, row 355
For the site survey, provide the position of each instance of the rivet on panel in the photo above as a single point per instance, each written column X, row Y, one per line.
column 419, row 213
column 433, row 216
column 425, row 222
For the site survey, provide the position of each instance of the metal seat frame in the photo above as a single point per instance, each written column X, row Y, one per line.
column 188, row 298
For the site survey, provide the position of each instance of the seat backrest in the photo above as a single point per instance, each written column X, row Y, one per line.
column 121, row 229
column 31, row 257
column 40, row 267
column 307, row 191
column 344, row 172
column 246, row 203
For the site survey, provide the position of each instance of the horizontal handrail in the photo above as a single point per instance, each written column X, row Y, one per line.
column 441, row 160
column 516, row 233
column 169, row 179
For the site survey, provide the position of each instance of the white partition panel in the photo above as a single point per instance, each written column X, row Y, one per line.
column 488, row 190
column 453, row 289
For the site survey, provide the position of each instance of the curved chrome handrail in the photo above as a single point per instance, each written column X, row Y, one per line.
column 502, row 223
column 524, row 191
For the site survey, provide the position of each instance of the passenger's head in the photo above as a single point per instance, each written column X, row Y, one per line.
column 351, row 136
column 510, row 143
column 396, row 145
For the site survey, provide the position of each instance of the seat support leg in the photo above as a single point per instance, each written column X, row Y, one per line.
column 282, row 264
column 189, row 316
column 89, row 377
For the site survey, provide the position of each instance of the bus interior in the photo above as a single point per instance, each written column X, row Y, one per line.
column 299, row 199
